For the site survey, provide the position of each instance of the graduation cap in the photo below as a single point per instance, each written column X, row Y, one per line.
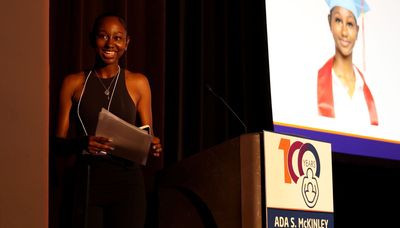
column 357, row 7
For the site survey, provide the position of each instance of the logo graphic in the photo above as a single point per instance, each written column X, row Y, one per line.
column 310, row 189
column 307, row 159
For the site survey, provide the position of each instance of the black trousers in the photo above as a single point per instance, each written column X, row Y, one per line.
column 110, row 193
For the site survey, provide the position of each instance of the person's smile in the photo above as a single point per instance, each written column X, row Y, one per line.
column 109, row 54
column 345, row 42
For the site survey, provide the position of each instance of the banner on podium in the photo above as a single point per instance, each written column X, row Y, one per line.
column 298, row 182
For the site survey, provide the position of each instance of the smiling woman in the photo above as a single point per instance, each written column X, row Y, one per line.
column 109, row 39
column 343, row 93
column 115, row 186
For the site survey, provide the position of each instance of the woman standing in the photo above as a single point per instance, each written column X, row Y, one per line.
column 116, row 194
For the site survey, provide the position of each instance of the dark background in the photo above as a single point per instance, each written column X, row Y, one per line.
column 183, row 46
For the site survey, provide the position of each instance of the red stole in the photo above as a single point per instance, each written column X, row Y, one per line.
column 325, row 94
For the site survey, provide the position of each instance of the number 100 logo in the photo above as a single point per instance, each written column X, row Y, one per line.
column 301, row 162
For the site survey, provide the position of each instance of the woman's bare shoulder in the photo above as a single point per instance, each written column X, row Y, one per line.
column 74, row 78
column 135, row 78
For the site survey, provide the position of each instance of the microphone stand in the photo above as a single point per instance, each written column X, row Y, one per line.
column 226, row 104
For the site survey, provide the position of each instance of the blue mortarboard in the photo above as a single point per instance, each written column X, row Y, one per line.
column 355, row 6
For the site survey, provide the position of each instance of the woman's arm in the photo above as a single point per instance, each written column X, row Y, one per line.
column 68, row 88
column 60, row 143
column 139, row 89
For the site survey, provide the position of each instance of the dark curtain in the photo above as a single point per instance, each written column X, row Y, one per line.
column 221, row 44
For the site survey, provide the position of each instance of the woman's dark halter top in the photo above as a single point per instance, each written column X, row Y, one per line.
column 93, row 99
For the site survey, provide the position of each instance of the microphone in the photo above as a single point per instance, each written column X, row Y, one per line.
column 226, row 104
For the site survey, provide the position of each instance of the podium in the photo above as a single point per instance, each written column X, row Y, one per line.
column 219, row 187
column 255, row 180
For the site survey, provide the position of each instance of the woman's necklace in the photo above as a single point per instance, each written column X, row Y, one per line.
column 107, row 89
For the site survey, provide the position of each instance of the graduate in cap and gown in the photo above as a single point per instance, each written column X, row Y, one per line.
column 343, row 93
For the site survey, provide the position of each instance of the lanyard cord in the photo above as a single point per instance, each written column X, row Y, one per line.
column 79, row 103
column 80, row 98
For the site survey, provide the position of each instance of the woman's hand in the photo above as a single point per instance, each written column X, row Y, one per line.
column 99, row 145
column 156, row 147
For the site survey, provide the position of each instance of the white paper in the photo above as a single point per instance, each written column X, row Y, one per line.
column 129, row 141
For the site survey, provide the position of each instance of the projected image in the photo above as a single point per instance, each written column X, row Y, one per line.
column 343, row 93
column 333, row 71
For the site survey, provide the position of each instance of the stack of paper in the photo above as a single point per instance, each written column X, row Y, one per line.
column 130, row 142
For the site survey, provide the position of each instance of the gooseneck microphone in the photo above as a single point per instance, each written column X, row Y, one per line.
column 226, row 104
